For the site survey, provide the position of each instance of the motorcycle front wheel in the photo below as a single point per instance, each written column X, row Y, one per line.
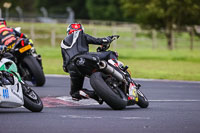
column 31, row 100
column 114, row 97
column 142, row 100
column 35, row 70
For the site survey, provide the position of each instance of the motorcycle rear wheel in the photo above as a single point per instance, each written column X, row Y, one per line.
column 103, row 90
column 35, row 70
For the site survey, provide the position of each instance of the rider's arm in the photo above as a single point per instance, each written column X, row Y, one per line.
column 93, row 40
column 19, row 34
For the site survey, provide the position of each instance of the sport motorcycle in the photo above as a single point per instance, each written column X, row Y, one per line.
column 110, row 80
column 29, row 63
column 14, row 92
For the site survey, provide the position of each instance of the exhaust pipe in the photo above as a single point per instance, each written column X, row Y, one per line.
column 103, row 65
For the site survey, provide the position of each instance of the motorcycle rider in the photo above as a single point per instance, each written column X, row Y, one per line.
column 76, row 43
column 9, row 36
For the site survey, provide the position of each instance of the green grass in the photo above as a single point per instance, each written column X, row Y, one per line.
column 158, row 69
column 143, row 62
column 160, row 54
column 51, row 59
column 164, row 64
column 143, row 39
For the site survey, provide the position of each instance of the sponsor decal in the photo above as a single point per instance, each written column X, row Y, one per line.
column 5, row 33
column 5, row 93
column 10, row 46
column 133, row 92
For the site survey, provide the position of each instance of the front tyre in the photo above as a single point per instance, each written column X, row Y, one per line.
column 35, row 70
column 142, row 100
column 31, row 100
column 114, row 97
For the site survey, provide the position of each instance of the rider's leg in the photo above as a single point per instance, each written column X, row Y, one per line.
column 77, row 92
column 76, row 81
column 76, row 86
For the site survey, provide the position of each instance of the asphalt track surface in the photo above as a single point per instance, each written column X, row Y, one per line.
column 174, row 108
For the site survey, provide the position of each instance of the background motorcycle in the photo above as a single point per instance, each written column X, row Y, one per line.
column 28, row 61
column 13, row 91
column 111, row 81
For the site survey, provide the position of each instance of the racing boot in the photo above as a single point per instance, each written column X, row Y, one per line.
column 76, row 96
column 90, row 94
column 86, row 94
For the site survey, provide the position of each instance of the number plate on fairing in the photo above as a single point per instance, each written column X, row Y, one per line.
column 25, row 48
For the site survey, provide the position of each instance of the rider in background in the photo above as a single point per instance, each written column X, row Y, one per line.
column 76, row 43
column 9, row 36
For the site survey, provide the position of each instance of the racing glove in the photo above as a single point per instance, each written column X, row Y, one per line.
column 107, row 40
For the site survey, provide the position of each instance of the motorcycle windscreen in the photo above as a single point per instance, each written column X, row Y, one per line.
column 11, row 95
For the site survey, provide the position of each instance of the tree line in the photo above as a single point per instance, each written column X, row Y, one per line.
column 158, row 14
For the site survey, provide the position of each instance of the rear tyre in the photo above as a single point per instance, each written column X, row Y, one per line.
column 115, row 98
column 35, row 70
column 142, row 100
column 32, row 101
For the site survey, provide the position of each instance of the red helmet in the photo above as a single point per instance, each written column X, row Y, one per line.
column 2, row 21
column 74, row 27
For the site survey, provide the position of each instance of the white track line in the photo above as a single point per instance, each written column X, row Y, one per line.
column 135, row 118
column 102, row 117
column 176, row 100
column 141, row 79
column 93, row 102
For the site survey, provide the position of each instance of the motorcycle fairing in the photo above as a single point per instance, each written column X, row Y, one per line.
column 133, row 92
column 11, row 95
column 9, row 66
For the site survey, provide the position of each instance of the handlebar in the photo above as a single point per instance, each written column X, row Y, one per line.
column 105, row 47
column 115, row 37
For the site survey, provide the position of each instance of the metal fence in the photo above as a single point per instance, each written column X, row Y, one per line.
column 132, row 35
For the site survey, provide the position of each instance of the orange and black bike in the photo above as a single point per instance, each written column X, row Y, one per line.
column 29, row 63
